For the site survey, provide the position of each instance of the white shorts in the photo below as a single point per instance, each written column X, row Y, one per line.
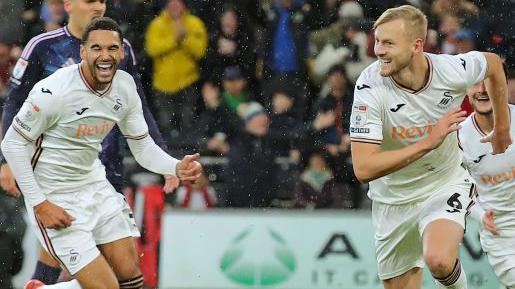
column 399, row 228
column 500, row 249
column 101, row 216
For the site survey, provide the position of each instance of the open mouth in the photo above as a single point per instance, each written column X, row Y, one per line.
column 385, row 62
column 483, row 98
column 105, row 69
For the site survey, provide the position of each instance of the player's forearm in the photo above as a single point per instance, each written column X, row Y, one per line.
column 152, row 157
column 369, row 166
column 14, row 148
column 497, row 89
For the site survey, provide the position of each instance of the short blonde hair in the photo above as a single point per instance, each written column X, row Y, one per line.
column 415, row 19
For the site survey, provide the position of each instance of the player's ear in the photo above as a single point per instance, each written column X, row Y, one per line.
column 122, row 52
column 419, row 45
column 82, row 52
column 67, row 6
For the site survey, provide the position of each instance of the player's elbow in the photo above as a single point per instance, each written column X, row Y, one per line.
column 494, row 62
column 363, row 175
column 5, row 147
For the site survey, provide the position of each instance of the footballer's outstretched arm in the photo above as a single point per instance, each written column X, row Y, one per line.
column 146, row 152
column 153, row 158
column 370, row 162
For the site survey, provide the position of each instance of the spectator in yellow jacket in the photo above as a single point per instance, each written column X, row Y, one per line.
column 176, row 40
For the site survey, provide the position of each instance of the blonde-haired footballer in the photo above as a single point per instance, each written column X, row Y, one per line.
column 403, row 130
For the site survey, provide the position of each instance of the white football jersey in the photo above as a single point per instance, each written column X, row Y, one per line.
column 494, row 175
column 67, row 120
column 392, row 116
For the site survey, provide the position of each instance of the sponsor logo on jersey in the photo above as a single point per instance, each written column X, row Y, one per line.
column 82, row 110
column 359, row 115
column 395, row 109
column 45, row 90
column 86, row 130
column 359, row 130
column 363, row 86
column 412, row 133
column 19, row 69
column 22, row 124
column 494, row 180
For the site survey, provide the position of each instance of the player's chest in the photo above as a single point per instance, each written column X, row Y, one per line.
column 412, row 116
column 91, row 118
column 488, row 169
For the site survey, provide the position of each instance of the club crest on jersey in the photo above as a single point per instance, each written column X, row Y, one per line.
column 118, row 105
column 359, row 115
column 74, row 257
column 446, row 100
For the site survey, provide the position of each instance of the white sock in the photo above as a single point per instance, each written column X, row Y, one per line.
column 73, row 284
column 456, row 280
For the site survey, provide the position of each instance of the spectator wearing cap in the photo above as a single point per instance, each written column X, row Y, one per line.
column 465, row 41
column 176, row 40
column 251, row 170
column 235, row 87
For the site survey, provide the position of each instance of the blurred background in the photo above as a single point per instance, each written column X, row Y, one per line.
column 264, row 93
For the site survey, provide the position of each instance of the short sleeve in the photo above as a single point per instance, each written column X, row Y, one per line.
column 39, row 112
column 474, row 65
column 365, row 123
column 133, row 125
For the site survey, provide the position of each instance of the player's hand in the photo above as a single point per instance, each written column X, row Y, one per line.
column 189, row 169
column 52, row 216
column 444, row 126
column 8, row 182
column 171, row 183
column 500, row 140
column 488, row 222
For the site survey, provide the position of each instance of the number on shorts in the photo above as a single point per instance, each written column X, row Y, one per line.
column 455, row 203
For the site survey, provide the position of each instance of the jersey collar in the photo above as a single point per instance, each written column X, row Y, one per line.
column 96, row 92
column 428, row 80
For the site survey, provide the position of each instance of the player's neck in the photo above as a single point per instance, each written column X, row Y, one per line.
column 74, row 29
column 88, row 77
column 415, row 75
column 485, row 121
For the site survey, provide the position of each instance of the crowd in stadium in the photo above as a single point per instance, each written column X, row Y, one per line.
column 263, row 89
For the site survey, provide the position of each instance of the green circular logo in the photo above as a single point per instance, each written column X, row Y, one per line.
column 258, row 258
